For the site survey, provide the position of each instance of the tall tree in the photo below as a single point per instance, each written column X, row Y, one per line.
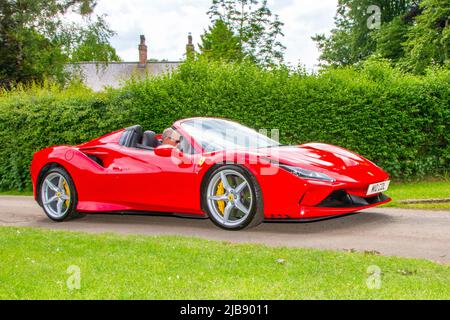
column 360, row 24
column 89, row 42
column 32, row 34
column 428, row 41
column 390, row 38
column 252, row 22
column 220, row 43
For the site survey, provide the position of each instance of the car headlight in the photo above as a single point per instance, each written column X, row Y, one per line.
column 307, row 174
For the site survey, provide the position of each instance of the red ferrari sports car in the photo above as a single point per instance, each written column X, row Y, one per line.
column 206, row 167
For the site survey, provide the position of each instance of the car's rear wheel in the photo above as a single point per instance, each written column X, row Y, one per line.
column 58, row 195
column 233, row 199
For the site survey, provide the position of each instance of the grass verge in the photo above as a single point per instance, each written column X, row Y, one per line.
column 420, row 190
column 16, row 193
column 34, row 265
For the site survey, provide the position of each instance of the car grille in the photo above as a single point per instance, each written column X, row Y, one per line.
column 341, row 199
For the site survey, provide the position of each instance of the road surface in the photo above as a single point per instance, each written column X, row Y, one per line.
column 399, row 232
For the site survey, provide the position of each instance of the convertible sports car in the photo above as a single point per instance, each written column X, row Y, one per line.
column 206, row 167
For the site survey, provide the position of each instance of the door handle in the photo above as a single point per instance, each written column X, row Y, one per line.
column 117, row 168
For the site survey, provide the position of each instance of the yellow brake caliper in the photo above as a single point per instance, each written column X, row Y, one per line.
column 220, row 191
column 66, row 188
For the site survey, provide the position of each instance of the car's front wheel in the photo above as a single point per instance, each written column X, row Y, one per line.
column 232, row 198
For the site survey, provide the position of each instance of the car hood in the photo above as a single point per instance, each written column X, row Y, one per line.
column 337, row 162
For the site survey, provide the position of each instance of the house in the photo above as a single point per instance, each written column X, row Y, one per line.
column 98, row 75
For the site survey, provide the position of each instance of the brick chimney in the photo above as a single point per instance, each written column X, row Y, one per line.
column 142, row 52
column 190, row 49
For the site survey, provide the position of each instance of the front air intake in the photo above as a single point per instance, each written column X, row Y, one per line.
column 341, row 199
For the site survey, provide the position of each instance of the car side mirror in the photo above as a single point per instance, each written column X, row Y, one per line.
column 164, row 150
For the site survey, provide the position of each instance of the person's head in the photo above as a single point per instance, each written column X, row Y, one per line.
column 171, row 137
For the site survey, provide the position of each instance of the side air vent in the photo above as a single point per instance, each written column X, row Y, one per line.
column 95, row 159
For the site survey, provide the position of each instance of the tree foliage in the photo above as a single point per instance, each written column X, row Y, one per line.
column 33, row 39
column 428, row 40
column 89, row 42
column 354, row 38
column 389, row 39
column 412, row 34
column 221, row 44
column 255, row 26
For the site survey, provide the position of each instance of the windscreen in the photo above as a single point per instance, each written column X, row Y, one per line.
column 218, row 134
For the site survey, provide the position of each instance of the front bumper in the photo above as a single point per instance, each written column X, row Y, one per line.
column 338, row 202
column 343, row 199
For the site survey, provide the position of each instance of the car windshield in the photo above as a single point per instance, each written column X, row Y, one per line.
column 218, row 134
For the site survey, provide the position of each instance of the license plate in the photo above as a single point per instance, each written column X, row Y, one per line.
column 378, row 187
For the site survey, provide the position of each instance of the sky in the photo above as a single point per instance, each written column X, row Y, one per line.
column 166, row 24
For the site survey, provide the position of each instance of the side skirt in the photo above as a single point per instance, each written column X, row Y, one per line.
column 152, row 214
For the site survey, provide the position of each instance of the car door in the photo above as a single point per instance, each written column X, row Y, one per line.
column 154, row 183
column 98, row 188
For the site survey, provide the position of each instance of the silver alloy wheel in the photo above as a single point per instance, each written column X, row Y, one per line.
column 55, row 195
column 237, row 197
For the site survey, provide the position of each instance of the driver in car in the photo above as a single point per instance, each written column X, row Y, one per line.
column 170, row 137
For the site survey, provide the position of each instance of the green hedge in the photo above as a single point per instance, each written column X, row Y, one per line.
column 399, row 121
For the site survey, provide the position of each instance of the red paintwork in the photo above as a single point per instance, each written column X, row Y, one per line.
column 138, row 180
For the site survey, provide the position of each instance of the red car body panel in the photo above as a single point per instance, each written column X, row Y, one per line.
column 139, row 180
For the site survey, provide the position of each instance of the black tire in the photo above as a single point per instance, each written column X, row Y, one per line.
column 71, row 212
column 256, row 214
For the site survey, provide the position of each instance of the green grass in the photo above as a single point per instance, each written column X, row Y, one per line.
column 16, row 193
column 419, row 190
column 34, row 262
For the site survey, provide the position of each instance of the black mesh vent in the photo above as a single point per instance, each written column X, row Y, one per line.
column 341, row 199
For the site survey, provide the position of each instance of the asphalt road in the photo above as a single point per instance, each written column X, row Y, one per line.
column 399, row 232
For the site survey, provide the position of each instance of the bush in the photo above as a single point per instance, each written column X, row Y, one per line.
column 398, row 121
